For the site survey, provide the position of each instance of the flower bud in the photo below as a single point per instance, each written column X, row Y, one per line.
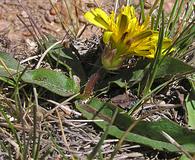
column 111, row 60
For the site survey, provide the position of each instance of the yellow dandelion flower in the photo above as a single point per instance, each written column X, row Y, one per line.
column 125, row 35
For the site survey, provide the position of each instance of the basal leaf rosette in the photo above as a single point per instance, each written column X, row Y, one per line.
column 125, row 36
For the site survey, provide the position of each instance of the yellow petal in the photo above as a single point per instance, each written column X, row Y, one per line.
column 145, row 25
column 166, row 43
column 122, row 23
column 147, row 54
column 102, row 14
column 106, row 36
column 129, row 11
column 132, row 27
column 142, row 35
column 98, row 17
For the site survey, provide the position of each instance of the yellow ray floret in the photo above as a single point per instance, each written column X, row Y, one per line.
column 125, row 34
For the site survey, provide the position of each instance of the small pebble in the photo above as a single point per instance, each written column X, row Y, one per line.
column 49, row 18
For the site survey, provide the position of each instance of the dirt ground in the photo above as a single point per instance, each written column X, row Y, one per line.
column 14, row 36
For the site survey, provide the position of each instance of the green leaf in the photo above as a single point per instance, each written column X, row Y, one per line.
column 127, row 76
column 9, row 66
column 54, row 81
column 190, row 107
column 65, row 57
column 184, row 157
column 120, row 83
column 171, row 66
column 146, row 133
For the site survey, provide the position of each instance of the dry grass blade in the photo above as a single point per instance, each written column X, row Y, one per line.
column 45, row 53
column 128, row 2
column 5, row 67
column 19, row 127
column 85, row 120
column 35, row 121
column 36, row 38
column 116, row 7
column 171, row 140
column 80, row 32
column 123, row 138
column 63, row 107
column 62, row 131
column 37, row 33
column 63, row 23
column 29, row 59
column 97, row 148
